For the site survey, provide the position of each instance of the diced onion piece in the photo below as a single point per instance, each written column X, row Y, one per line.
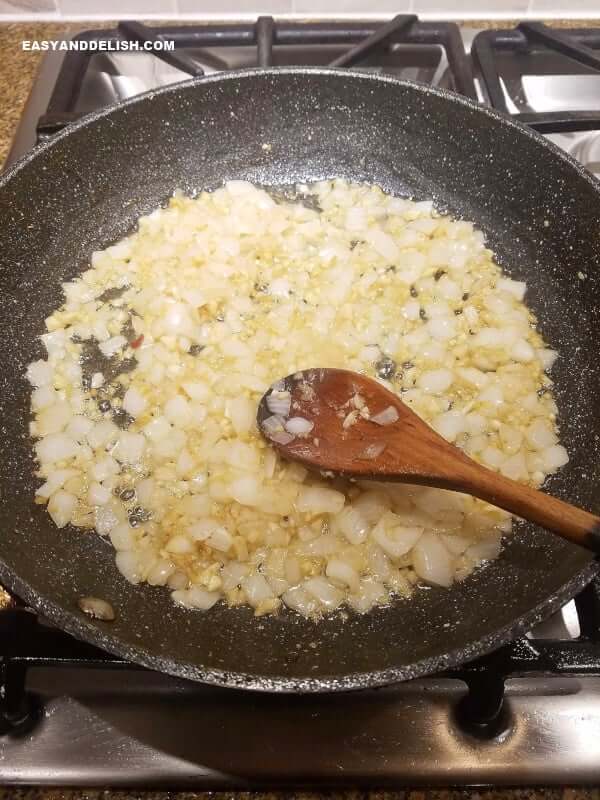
column 232, row 574
column 547, row 357
column 395, row 540
column 134, row 402
column 56, row 447
column 485, row 550
column 105, row 519
column 157, row 429
column 130, row 447
column 450, row 425
column 341, row 572
column 554, row 457
column 98, row 495
column 256, row 588
column 273, row 425
column 319, row 500
column 516, row 288
column 55, row 481
column 246, row 490
column 97, row 608
column 298, row 426
column 435, row 381
column 54, row 418
column 323, row 591
column 442, row 328
column 179, row 545
column 39, row 373
column 196, row 597
column 383, row 244
column 373, row 450
column 123, row 537
column 540, row 435
column 112, row 346
column 352, row 524
column 523, row 351
column 61, row 508
column 79, row 427
column 178, row 412
column 432, row 561
column 388, row 416
column 279, row 403
column 242, row 412
column 103, row 433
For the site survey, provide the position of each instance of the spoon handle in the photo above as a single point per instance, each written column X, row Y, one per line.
column 568, row 521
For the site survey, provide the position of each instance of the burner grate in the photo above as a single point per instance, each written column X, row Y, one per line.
column 27, row 642
column 361, row 39
column 527, row 39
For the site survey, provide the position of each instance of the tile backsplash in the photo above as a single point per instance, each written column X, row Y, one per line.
column 190, row 9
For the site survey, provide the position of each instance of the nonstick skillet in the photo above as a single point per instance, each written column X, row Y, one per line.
column 86, row 188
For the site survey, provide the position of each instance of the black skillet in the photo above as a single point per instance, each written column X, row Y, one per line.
column 85, row 189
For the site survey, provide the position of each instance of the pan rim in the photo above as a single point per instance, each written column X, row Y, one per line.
column 73, row 624
column 253, row 72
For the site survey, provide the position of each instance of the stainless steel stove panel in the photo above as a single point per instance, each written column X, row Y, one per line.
column 124, row 729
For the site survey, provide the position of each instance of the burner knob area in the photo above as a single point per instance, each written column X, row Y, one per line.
column 482, row 712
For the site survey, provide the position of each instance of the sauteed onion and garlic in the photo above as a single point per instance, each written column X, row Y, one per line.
column 144, row 409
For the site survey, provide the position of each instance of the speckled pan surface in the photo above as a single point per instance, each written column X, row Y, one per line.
column 541, row 213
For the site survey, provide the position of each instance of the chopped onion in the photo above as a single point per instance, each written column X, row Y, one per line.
column 134, row 402
column 298, row 426
column 196, row 597
column 98, row 495
column 129, row 448
column 341, row 572
column 97, row 608
column 112, row 346
column 432, row 561
column 388, row 416
column 61, row 508
column 256, row 588
column 317, row 500
column 272, row 425
column 323, row 591
column 279, row 403
column 56, row 480
column 166, row 459
column 56, row 447
column 40, row 373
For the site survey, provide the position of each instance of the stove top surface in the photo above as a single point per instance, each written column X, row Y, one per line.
column 529, row 714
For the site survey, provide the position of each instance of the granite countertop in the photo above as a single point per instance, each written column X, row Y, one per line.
column 17, row 70
column 405, row 794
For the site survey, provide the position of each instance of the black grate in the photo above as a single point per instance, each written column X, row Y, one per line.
column 27, row 642
column 361, row 39
column 528, row 44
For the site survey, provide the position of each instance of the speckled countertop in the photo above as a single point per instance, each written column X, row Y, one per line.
column 407, row 794
column 17, row 70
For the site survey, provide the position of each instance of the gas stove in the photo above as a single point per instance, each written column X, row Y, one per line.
column 528, row 713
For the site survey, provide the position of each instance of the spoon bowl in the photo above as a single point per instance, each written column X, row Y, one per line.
column 342, row 423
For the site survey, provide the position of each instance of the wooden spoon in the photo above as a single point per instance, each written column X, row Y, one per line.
column 345, row 438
